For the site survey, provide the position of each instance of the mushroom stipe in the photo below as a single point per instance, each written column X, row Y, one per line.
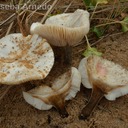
column 96, row 96
column 68, row 55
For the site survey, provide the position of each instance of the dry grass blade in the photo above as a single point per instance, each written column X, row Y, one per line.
column 33, row 12
column 49, row 11
column 4, row 92
column 23, row 26
column 9, row 19
column 37, row 13
column 69, row 6
column 25, row 4
column 9, row 28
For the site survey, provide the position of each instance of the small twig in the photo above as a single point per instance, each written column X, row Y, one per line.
column 74, row 6
column 22, row 8
column 113, row 9
column 20, row 23
column 26, row 25
column 88, row 44
column 68, row 6
column 49, row 11
column 100, row 25
column 79, row 43
column 79, row 51
column 102, row 10
column 24, row 15
column 33, row 12
column 109, row 8
column 12, row 17
column 38, row 13
column 94, row 10
column 93, row 44
column 9, row 28
column 104, row 109
column 104, row 19
column 114, row 34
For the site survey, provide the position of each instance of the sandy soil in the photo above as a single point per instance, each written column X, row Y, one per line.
column 16, row 113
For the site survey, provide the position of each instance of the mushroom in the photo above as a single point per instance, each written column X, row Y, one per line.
column 24, row 59
column 65, row 87
column 105, row 78
column 64, row 30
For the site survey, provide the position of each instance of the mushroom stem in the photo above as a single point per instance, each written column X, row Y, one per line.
column 68, row 55
column 63, row 112
column 96, row 96
column 60, row 106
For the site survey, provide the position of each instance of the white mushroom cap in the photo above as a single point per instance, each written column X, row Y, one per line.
column 64, row 87
column 84, row 73
column 111, row 77
column 24, row 59
column 63, row 29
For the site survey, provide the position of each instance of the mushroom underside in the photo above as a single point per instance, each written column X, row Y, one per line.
column 63, row 88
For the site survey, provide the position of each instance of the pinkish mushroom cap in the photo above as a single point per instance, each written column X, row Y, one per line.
column 113, row 77
column 105, row 78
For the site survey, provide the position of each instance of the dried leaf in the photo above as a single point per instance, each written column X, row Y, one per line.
column 92, row 51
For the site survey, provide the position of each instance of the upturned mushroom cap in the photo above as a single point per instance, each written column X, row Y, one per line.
column 24, row 59
column 63, row 88
column 105, row 78
column 64, row 29
column 111, row 78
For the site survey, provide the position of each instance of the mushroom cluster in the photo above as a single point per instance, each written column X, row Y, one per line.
column 29, row 58
column 105, row 78
column 24, row 59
